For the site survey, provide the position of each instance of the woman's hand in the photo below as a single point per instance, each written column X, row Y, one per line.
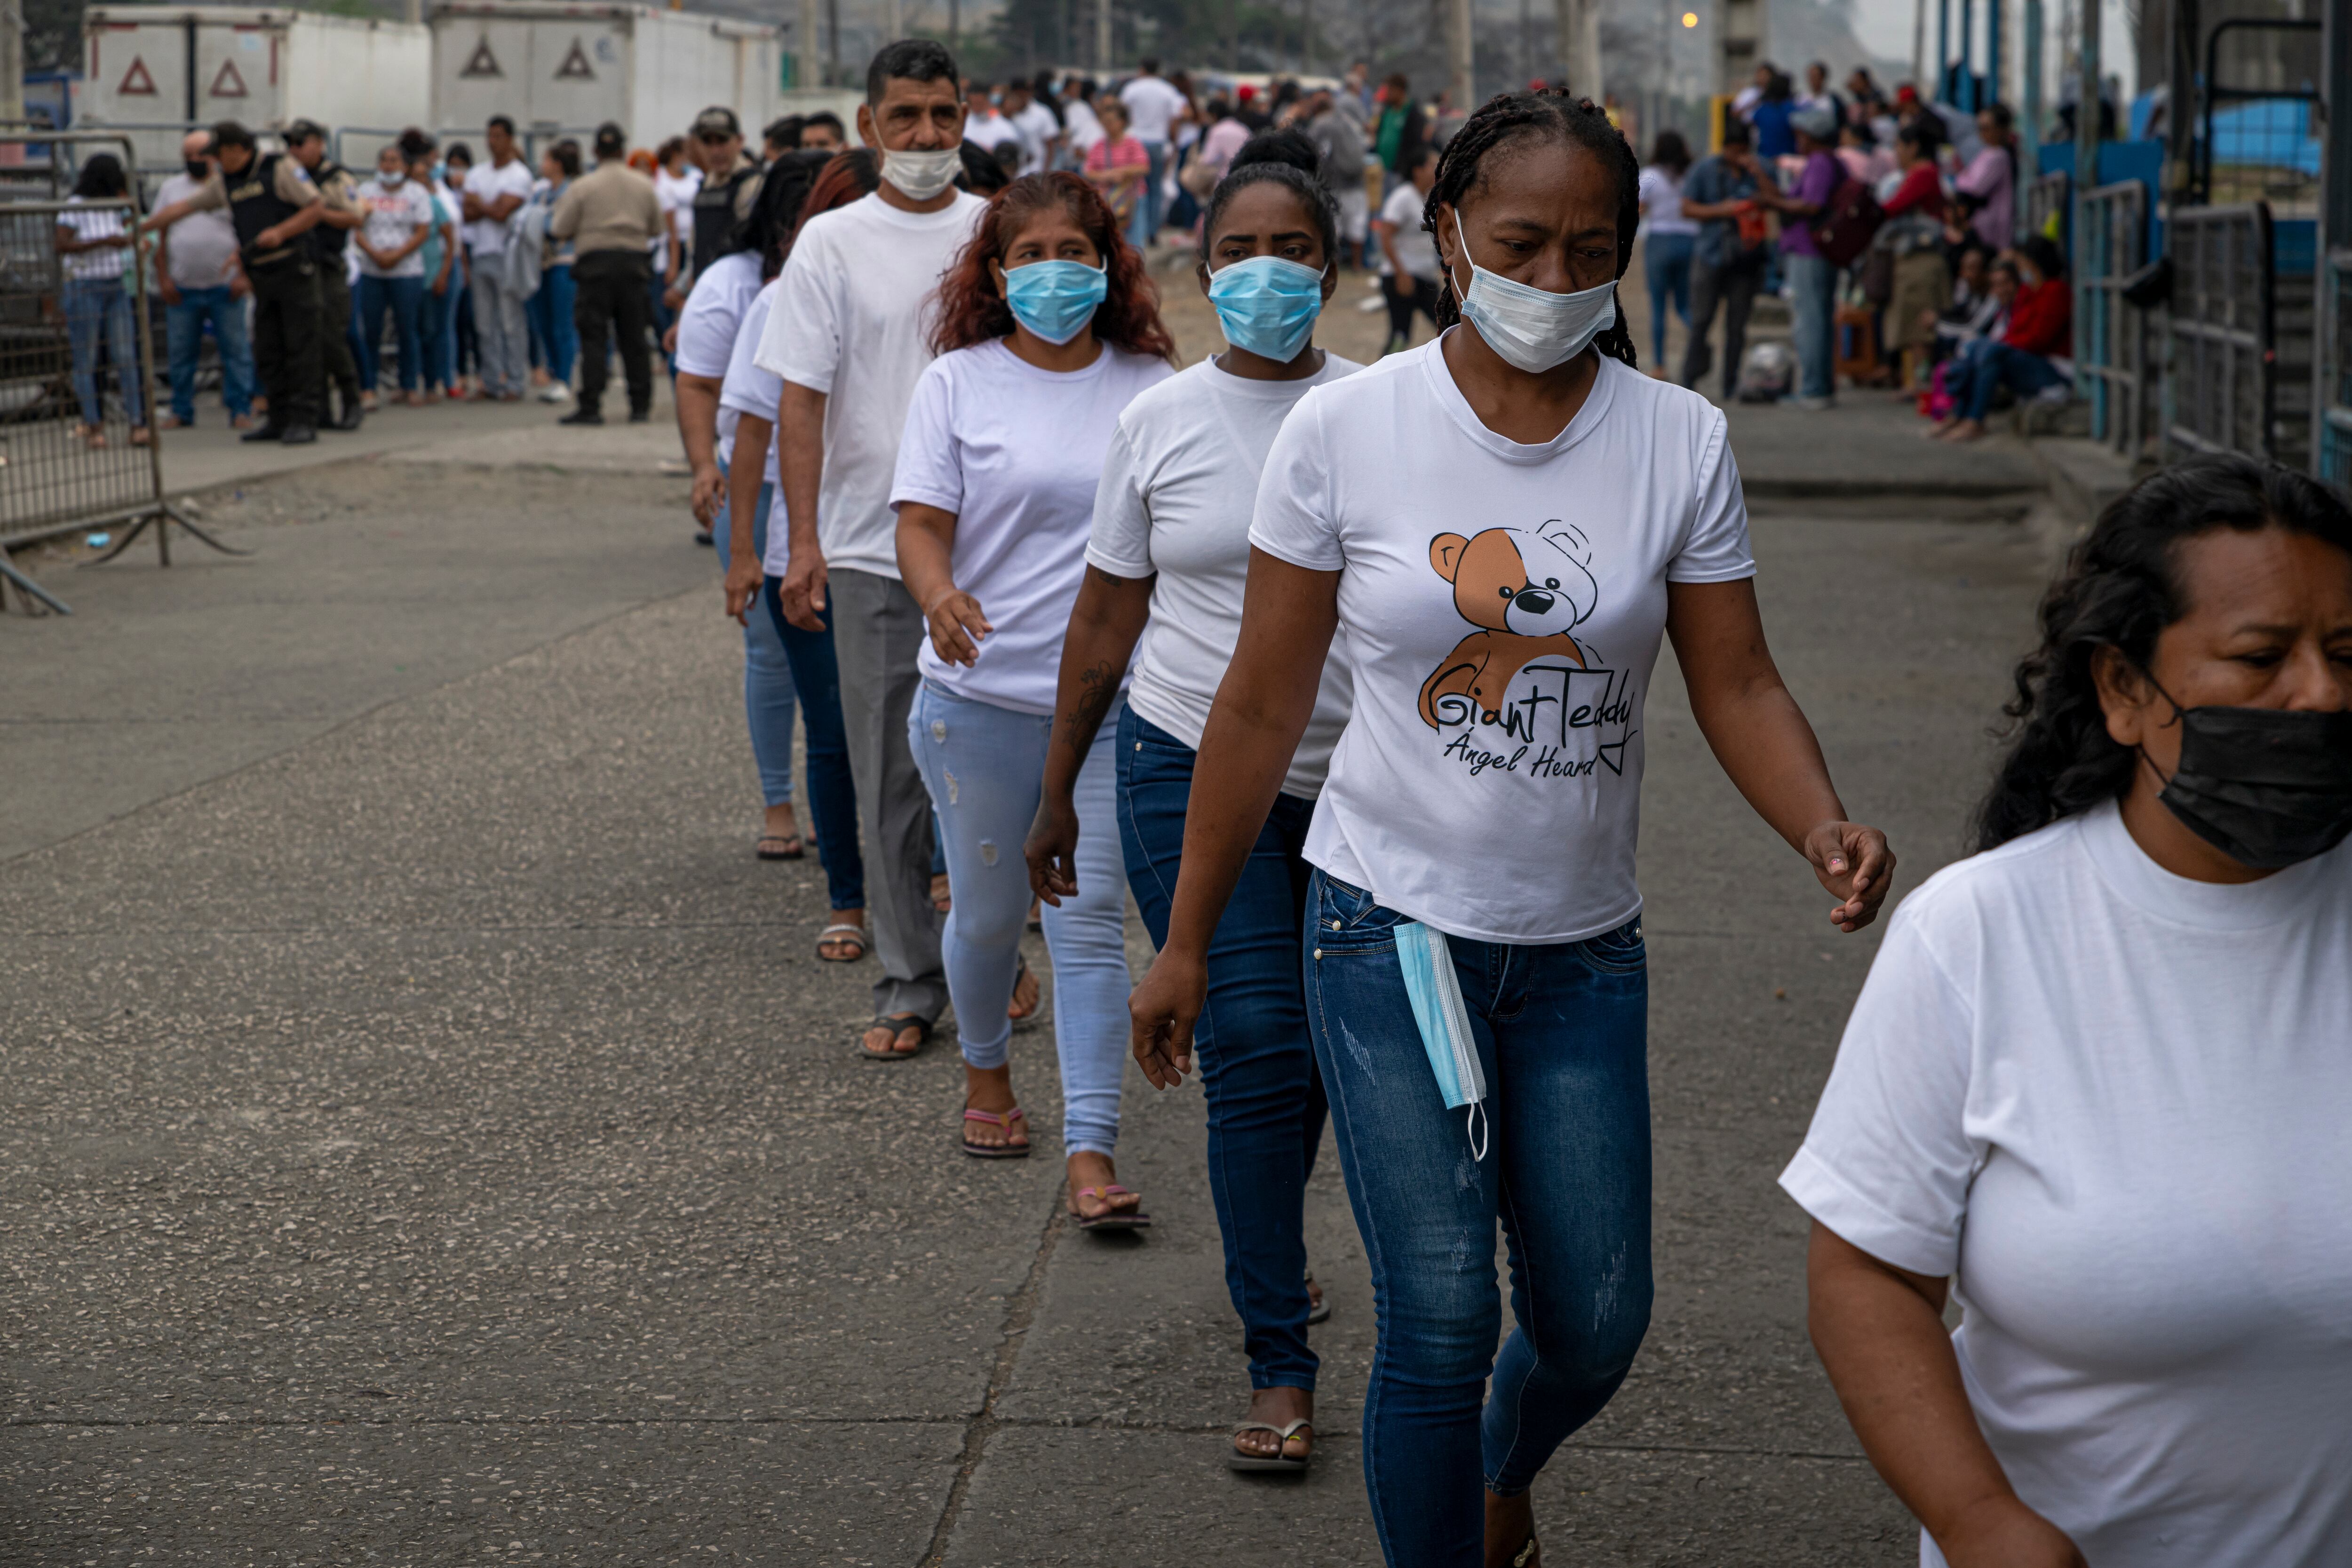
column 1161, row 1012
column 1855, row 863
column 2002, row 1532
column 1052, row 849
column 744, row 578
column 957, row 625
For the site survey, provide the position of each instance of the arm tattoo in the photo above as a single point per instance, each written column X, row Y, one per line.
column 1098, row 690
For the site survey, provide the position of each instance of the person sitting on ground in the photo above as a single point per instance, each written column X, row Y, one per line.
column 1977, row 306
column 2030, row 355
column 2093, row 1087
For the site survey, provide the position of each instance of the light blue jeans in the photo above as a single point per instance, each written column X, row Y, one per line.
column 983, row 766
column 768, row 694
column 1813, row 310
column 100, row 308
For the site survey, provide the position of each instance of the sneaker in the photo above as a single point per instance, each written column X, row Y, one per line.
column 296, row 435
column 555, row 392
column 582, row 416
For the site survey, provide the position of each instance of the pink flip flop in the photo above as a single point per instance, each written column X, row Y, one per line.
column 995, row 1151
column 1114, row 1219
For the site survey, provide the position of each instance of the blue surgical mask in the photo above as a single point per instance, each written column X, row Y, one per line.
column 1267, row 306
column 1056, row 300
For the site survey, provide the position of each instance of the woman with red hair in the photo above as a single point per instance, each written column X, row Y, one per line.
column 1047, row 326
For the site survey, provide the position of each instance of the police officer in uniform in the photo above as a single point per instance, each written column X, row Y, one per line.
column 273, row 206
column 307, row 140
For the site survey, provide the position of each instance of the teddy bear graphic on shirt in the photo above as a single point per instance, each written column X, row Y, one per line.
column 1522, row 680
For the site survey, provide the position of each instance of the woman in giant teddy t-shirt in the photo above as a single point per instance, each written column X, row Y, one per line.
column 1505, row 522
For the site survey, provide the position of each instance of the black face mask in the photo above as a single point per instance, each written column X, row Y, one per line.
column 199, row 170
column 2266, row 786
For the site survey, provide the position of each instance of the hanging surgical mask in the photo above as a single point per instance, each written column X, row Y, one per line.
column 2266, row 786
column 1531, row 328
column 1056, row 300
column 922, row 175
column 1267, row 306
column 390, row 179
column 1436, row 992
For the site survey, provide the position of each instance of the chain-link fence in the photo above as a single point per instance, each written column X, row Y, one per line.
column 2112, row 369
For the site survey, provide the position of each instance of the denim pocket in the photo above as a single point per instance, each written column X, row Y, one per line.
column 1618, row 952
column 1349, row 919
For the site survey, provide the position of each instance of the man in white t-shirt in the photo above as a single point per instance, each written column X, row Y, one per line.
column 848, row 335
column 984, row 127
column 1035, row 122
column 495, row 192
column 200, row 280
column 675, row 179
column 1153, row 104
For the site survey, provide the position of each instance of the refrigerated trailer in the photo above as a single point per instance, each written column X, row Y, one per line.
column 160, row 70
column 552, row 67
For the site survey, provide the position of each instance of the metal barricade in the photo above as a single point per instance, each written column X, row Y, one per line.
column 2220, row 394
column 76, row 375
column 2113, row 370
column 2047, row 195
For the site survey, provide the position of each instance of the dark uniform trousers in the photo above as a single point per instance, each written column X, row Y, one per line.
column 610, row 293
column 288, row 329
column 335, row 331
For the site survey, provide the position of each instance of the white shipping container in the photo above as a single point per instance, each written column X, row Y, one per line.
column 563, row 67
column 167, row 68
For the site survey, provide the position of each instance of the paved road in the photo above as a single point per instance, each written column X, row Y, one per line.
column 429, row 1137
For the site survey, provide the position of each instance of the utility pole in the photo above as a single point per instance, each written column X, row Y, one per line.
column 1102, row 38
column 1579, row 22
column 2030, row 97
column 2086, row 154
column 1919, row 44
column 1461, row 80
column 808, row 60
column 12, row 61
column 1738, row 42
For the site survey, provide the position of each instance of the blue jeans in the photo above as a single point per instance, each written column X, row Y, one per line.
column 97, row 306
column 767, row 697
column 1562, row 1033
column 184, row 330
column 551, row 331
column 437, row 326
column 405, row 297
column 832, row 796
column 1812, row 309
column 1985, row 364
column 1257, row 1063
column 1154, row 204
column 984, row 766
column 1667, row 268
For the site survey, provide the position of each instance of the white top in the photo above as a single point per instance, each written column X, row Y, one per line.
column 1178, row 487
column 1152, row 104
column 1038, row 128
column 861, row 291
column 747, row 389
column 2110, row 1104
column 712, row 317
column 1662, row 203
column 991, row 131
column 88, row 224
column 1081, row 124
column 485, row 183
column 1404, row 208
column 674, row 194
column 394, row 214
column 1015, row 453
column 1498, row 678
column 202, row 247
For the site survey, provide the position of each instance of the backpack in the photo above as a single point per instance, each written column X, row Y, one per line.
column 1847, row 221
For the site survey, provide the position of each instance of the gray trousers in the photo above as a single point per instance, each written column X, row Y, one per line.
column 498, row 325
column 877, row 632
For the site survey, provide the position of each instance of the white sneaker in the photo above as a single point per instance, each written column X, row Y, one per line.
column 555, row 392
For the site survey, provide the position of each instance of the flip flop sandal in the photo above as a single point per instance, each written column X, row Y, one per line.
column 995, row 1151
column 1111, row 1219
column 1237, row 1460
column 1529, row 1556
column 897, row 1025
column 839, row 935
column 792, row 847
column 1317, row 1312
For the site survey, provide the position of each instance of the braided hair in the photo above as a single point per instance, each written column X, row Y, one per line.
column 1548, row 114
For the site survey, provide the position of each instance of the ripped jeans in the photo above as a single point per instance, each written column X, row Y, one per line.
column 1562, row 1033
column 984, row 767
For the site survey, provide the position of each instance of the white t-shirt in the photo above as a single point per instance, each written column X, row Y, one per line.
column 95, row 222
column 1081, row 125
column 1471, row 740
column 674, row 194
column 1178, row 487
column 712, row 317
column 394, row 213
column 487, row 183
column 860, row 294
column 1416, row 245
column 747, row 389
column 1038, row 128
column 2110, row 1104
column 1662, row 203
column 1152, row 104
column 201, row 246
column 992, row 132
column 1017, row 453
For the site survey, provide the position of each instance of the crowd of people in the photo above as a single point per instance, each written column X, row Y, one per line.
column 1902, row 209
column 1064, row 621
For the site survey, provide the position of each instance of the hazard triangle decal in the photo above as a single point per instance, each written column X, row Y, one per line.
column 227, row 83
column 575, row 67
column 136, row 82
column 481, row 62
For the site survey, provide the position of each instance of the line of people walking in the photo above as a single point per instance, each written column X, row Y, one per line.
column 1236, row 639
